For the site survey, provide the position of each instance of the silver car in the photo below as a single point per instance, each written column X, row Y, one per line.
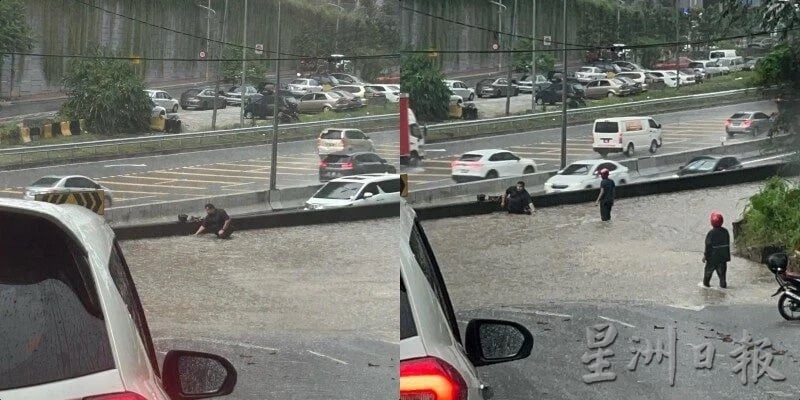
column 163, row 99
column 748, row 122
column 66, row 183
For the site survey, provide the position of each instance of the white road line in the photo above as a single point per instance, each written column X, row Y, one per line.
column 329, row 357
column 223, row 342
column 536, row 312
column 617, row 321
column 125, row 165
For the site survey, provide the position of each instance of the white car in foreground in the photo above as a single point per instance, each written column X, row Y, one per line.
column 585, row 174
column 490, row 164
column 74, row 327
column 356, row 190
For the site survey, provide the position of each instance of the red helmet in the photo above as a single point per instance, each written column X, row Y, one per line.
column 604, row 173
column 716, row 219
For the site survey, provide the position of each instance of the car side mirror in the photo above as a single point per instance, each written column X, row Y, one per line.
column 368, row 195
column 195, row 375
column 495, row 341
column 658, row 126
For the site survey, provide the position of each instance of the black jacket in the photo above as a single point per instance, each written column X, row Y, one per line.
column 718, row 246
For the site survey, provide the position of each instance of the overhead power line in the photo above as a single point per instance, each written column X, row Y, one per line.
column 130, row 58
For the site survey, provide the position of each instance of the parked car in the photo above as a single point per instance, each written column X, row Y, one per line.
column 498, row 88
column 626, row 135
column 74, row 325
column 684, row 78
column 300, row 87
column 262, row 106
column 585, row 174
column 748, row 122
column 637, row 77
column 709, row 68
column 202, row 99
column 665, row 78
column 671, row 64
column 434, row 359
column 709, row 164
column 323, row 102
column 461, row 89
column 66, row 183
column 387, row 90
column 589, row 74
column 356, row 90
column 234, row 96
column 606, row 88
column 552, row 94
column 356, row 190
column 526, row 84
column 629, row 66
column 607, row 67
column 163, row 99
column 344, row 163
column 355, row 101
column 326, row 81
column 348, row 79
column 331, row 140
column 635, row 87
column 490, row 164
column 699, row 76
column 750, row 64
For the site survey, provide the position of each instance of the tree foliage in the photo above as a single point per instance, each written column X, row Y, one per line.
column 772, row 217
column 522, row 61
column 108, row 94
column 255, row 70
column 15, row 33
column 428, row 96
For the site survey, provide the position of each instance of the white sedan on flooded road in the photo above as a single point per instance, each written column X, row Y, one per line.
column 585, row 174
column 490, row 164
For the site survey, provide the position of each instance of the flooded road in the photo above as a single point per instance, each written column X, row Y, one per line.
column 651, row 251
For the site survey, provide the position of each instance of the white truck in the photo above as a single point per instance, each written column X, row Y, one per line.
column 416, row 139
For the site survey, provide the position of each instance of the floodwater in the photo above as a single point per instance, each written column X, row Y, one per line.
column 651, row 251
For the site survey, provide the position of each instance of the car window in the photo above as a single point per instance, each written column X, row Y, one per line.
column 357, row 135
column 75, row 183
column 576, row 169
column 45, row 182
column 307, row 97
column 761, row 116
column 390, row 185
column 740, row 116
column 608, row 166
column 336, row 158
column 593, row 84
column 338, row 190
column 605, row 83
column 606, row 127
column 408, row 328
column 331, row 134
column 370, row 188
column 496, row 157
column 321, row 96
column 653, row 124
column 510, row 157
column 53, row 327
column 704, row 164
column 427, row 261
column 470, row 157
column 121, row 276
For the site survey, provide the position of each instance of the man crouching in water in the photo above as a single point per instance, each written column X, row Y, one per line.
column 217, row 221
column 518, row 200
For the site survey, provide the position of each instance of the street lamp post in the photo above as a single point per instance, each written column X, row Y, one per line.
column 244, row 67
column 564, row 94
column 510, row 47
column 336, row 37
column 273, row 162
column 533, row 58
column 219, row 64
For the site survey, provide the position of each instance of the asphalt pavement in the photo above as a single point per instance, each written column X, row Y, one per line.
column 562, row 271
column 682, row 131
column 197, row 174
column 302, row 313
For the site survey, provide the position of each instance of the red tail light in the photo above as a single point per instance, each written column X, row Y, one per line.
column 746, row 123
column 728, row 122
column 476, row 165
column 323, row 164
column 116, row 396
column 430, row 378
column 347, row 165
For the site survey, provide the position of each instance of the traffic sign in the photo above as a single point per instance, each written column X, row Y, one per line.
column 495, row 46
column 93, row 200
column 259, row 48
column 404, row 185
column 547, row 40
column 202, row 54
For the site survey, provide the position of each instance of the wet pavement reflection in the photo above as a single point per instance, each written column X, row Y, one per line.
column 652, row 250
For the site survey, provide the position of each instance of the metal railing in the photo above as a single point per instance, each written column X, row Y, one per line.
column 161, row 141
column 584, row 110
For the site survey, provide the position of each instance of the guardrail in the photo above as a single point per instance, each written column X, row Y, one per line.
column 585, row 110
column 160, row 142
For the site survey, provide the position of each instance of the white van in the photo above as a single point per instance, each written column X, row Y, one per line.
column 714, row 54
column 626, row 134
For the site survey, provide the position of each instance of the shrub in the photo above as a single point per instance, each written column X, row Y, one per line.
column 773, row 217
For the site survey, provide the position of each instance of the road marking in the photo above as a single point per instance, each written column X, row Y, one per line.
column 329, row 357
column 211, row 175
column 693, row 308
column 536, row 312
column 221, row 170
column 216, row 341
column 617, row 321
column 243, row 165
column 121, row 199
column 149, row 185
column 784, row 155
column 125, row 165
column 137, row 192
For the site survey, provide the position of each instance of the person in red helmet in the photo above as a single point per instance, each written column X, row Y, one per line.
column 606, row 197
column 717, row 253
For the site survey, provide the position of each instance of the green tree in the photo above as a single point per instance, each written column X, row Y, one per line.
column 232, row 66
column 108, row 94
column 15, row 33
column 522, row 61
column 428, row 96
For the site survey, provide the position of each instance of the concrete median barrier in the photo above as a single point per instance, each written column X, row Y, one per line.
column 489, row 186
column 263, row 221
column 669, row 185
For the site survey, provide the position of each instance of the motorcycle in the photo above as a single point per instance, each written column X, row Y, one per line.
column 789, row 302
column 288, row 115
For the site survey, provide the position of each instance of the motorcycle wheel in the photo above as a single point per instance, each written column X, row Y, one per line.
column 789, row 308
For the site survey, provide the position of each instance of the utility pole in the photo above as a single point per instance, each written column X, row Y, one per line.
column 244, row 66
column 273, row 162
column 511, row 58
column 564, row 94
column 619, row 5
column 677, row 47
column 208, row 36
column 219, row 64
column 533, row 58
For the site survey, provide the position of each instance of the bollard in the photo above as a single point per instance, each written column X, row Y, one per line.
column 47, row 131
column 25, row 134
column 65, row 131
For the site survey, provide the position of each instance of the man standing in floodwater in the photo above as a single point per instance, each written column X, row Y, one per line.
column 717, row 252
column 606, row 197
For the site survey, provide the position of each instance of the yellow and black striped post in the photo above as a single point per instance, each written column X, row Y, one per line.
column 91, row 199
column 404, row 185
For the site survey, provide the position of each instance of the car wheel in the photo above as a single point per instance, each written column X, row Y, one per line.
column 630, row 150
column 610, row 95
column 529, row 170
column 175, row 109
column 730, row 135
column 653, row 147
column 326, row 109
column 539, row 100
column 491, row 174
column 471, row 97
column 248, row 115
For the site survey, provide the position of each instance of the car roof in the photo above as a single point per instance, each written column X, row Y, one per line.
column 349, row 153
column 619, row 119
column 487, row 152
column 747, row 112
column 594, row 161
column 367, row 178
column 65, row 176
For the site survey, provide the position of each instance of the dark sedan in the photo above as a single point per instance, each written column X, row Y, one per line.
column 552, row 94
column 344, row 163
column 709, row 164
column 262, row 106
column 202, row 99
